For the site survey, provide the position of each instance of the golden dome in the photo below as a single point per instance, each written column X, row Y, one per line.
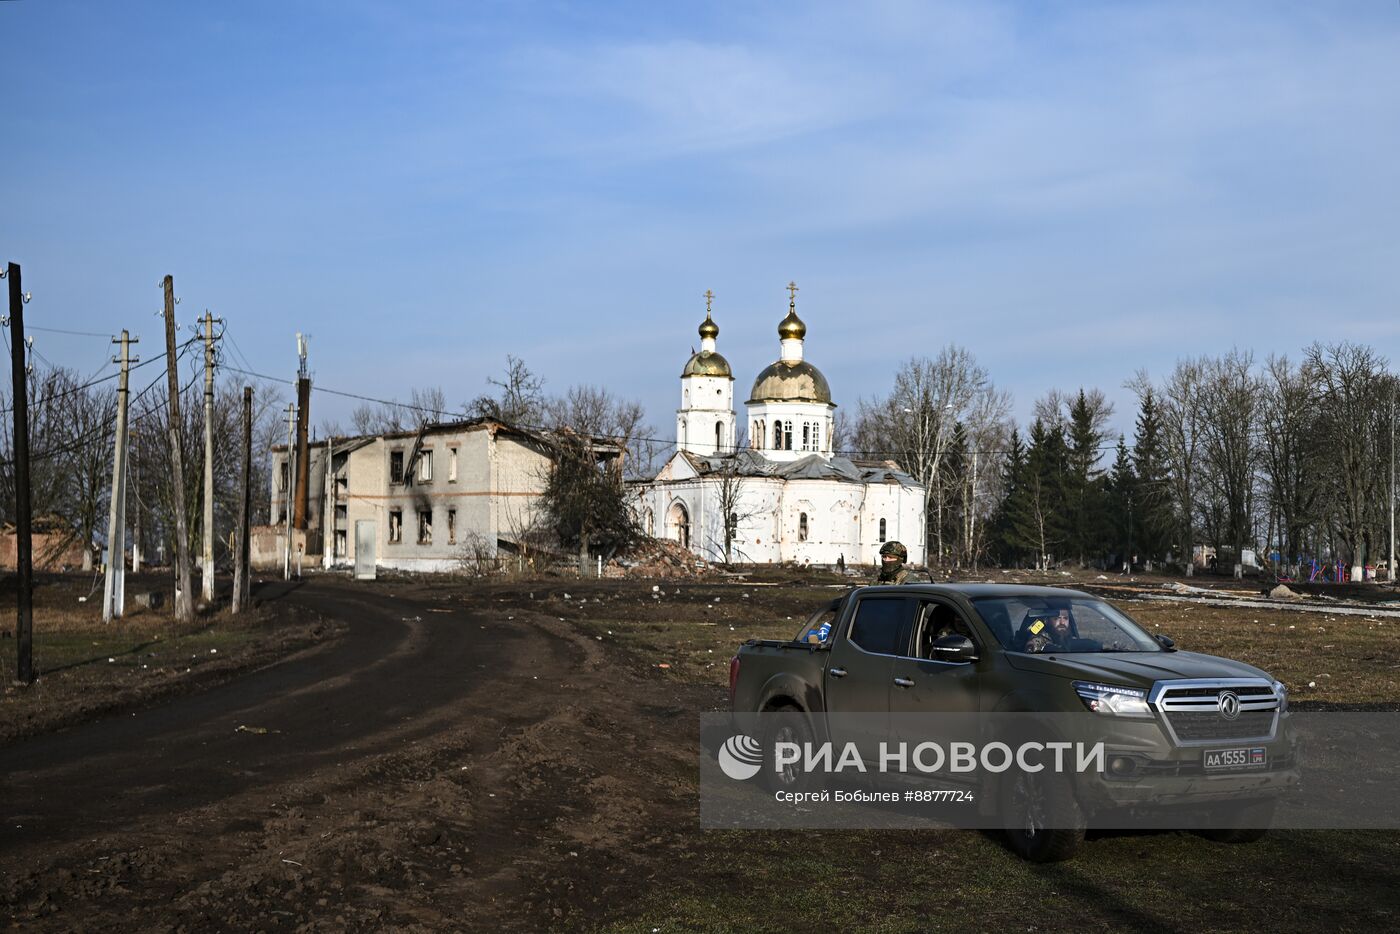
column 707, row 363
column 708, row 328
column 797, row 381
column 791, row 327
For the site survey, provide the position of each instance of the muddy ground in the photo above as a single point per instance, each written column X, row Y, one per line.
column 521, row 755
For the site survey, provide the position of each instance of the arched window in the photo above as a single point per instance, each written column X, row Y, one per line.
column 882, row 530
column 806, row 436
column 649, row 521
column 787, row 435
column 719, row 436
column 755, row 437
column 817, row 436
column 802, row 527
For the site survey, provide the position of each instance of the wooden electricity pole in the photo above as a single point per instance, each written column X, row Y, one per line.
column 24, row 554
column 114, row 591
column 241, row 584
column 184, row 599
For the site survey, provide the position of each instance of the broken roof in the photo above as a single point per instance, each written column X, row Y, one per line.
column 482, row 423
column 750, row 463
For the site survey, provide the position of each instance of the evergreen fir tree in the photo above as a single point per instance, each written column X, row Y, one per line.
column 1084, row 483
column 1122, row 499
column 1152, row 509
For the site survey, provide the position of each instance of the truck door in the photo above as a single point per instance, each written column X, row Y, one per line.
column 920, row 683
column 859, row 674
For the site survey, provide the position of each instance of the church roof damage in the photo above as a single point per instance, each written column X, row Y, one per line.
column 747, row 463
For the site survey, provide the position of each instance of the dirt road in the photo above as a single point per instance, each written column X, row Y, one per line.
column 441, row 765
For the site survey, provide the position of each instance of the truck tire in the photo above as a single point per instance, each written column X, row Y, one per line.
column 786, row 725
column 1242, row 823
column 1043, row 820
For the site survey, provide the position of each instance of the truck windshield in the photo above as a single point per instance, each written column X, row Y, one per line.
column 1068, row 624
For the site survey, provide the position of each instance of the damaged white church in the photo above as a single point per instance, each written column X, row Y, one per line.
column 786, row 496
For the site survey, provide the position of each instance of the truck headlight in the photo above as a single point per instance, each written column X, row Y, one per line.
column 1281, row 690
column 1113, row 701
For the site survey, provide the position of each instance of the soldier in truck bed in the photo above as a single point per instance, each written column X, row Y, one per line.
column 892, row 558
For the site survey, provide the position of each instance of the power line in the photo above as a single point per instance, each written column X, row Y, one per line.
column 29, row 327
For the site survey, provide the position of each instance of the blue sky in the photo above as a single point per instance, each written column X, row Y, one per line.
column 1070, row 190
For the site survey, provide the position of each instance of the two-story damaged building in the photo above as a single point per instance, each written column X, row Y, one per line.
column 421, row 500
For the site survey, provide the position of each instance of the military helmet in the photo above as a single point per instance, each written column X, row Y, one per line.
column 896, row 549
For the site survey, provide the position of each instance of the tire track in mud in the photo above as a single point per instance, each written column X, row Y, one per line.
column 434, row 770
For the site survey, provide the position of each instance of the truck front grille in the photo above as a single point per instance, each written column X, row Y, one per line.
column 1195, row 715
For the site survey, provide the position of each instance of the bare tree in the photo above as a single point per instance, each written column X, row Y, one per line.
column 1351, row 379
column 735, row 504
column 520, row 397
column 915, row 423
column 424, row 406
column 1180, row 401
column 1229, row 439
column 1291, row 454
column 595, row 412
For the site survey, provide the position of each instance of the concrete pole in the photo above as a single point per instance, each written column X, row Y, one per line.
column 328, row 508
column 287, row 493
column 114, row 589
column 241, row 583
column 207, row 564
column 136, row 525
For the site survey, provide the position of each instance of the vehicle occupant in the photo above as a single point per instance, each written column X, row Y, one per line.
column 1054, row 636
column 892, row 557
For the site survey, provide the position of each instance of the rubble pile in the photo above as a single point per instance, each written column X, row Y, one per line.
column 656, row 557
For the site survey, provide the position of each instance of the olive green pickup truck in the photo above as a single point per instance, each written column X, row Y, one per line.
column 1205, row 730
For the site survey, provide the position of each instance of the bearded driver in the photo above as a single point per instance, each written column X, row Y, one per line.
column 892, row 558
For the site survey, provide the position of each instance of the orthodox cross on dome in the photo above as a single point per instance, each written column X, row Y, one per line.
column 792, row 294
column 709, row 297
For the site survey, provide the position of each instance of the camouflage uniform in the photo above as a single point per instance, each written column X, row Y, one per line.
column 1042, row 637
column 894, row 572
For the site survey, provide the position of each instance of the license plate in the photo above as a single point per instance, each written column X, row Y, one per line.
column 1238, row 758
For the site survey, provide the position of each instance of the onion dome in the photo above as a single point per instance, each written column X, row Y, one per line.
column 791, row 327
column 796, row 381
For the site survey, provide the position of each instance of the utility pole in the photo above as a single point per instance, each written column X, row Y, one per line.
column 1391, row 563
column 301, row 500
column 241, row 583
column 207, row 567
column 24, row 553
column 287, row 491
column 114, row 585
column 136, row 530
column 184, row 600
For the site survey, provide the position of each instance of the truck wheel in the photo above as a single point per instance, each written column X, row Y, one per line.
column 1043, row 820
column 787, row 726
column 1242, row 823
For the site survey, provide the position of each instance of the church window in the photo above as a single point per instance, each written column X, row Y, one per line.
column 787, row 435
column 719, row 436
column 777, row 436
column 802, row 527
column 816, row 436
column 806, row 436
column 882, row 530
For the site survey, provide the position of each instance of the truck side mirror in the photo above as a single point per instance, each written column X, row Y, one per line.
column 953, row 648
column 1167, row 642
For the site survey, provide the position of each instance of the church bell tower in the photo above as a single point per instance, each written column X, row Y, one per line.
column 705, row 420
